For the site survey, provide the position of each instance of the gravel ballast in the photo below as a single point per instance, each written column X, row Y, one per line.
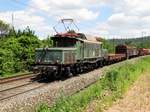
column 51, row 91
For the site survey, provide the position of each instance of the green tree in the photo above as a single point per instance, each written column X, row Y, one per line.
column 128, row 42
column 28, row 45
column 17, row 50
column 48, row 42
column 108, row 45
column 6, row 61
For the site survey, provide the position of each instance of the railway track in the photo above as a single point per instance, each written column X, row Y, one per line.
column 17, row 77
column 14, row 91
column 13, row 86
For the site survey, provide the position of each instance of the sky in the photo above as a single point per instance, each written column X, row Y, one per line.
column 104, row 18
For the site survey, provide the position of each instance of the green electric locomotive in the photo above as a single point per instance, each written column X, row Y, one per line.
column 72, row 53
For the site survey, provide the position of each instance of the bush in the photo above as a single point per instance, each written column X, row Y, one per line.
column 17, row 52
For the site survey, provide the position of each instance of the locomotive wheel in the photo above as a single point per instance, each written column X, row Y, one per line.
column 77, row 70
column 68, row 72
column 73, row 71
column 57, row 75
column 96, row 65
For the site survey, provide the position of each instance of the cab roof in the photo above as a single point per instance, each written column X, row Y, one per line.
column 56, row 48
column 79, row 36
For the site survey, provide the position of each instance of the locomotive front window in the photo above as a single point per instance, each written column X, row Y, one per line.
column 48, row 56
column 64, row 42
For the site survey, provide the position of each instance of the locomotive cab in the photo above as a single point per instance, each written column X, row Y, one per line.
column 63, row 52
column 52, row 60
column 63, row 42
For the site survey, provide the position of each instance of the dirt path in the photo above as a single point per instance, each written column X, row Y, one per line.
column 137, row 99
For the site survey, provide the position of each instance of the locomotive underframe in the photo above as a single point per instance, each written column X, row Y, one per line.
column 66, row 70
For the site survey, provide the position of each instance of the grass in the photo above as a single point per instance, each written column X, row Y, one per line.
column 106, row 90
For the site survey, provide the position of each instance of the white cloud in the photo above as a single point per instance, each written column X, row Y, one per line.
column 78, row 14
column 76, row 9
column 134, row 7
column 129, row 18
column 39, row 14
column 22, row 19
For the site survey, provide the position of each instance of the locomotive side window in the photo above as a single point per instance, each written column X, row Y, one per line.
column 64, row 42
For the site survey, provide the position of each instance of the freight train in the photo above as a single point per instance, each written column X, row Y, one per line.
column 74, row 53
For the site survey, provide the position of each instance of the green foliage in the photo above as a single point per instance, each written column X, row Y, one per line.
column 6, row 61
column 143, row 42
column 17, row 50
column 42, row 108
column 47, row 42
column 112, row 86
column 27, row 45
column 108, row 45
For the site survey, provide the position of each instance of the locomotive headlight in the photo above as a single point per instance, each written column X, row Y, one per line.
column 57, row 61
column 35, row 68
column 54, row 68
column 38, row 61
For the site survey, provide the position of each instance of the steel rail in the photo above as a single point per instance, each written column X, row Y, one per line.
column 11, row 96
column 15, row 78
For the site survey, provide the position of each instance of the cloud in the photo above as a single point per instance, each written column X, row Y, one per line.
column 22, row 19
column 135, row 8
column 39, row 14
column 76, row 9
column 128, row 19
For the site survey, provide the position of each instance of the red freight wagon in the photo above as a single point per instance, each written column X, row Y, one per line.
column 112, row 58
column 143, row 52
column 128, row 51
